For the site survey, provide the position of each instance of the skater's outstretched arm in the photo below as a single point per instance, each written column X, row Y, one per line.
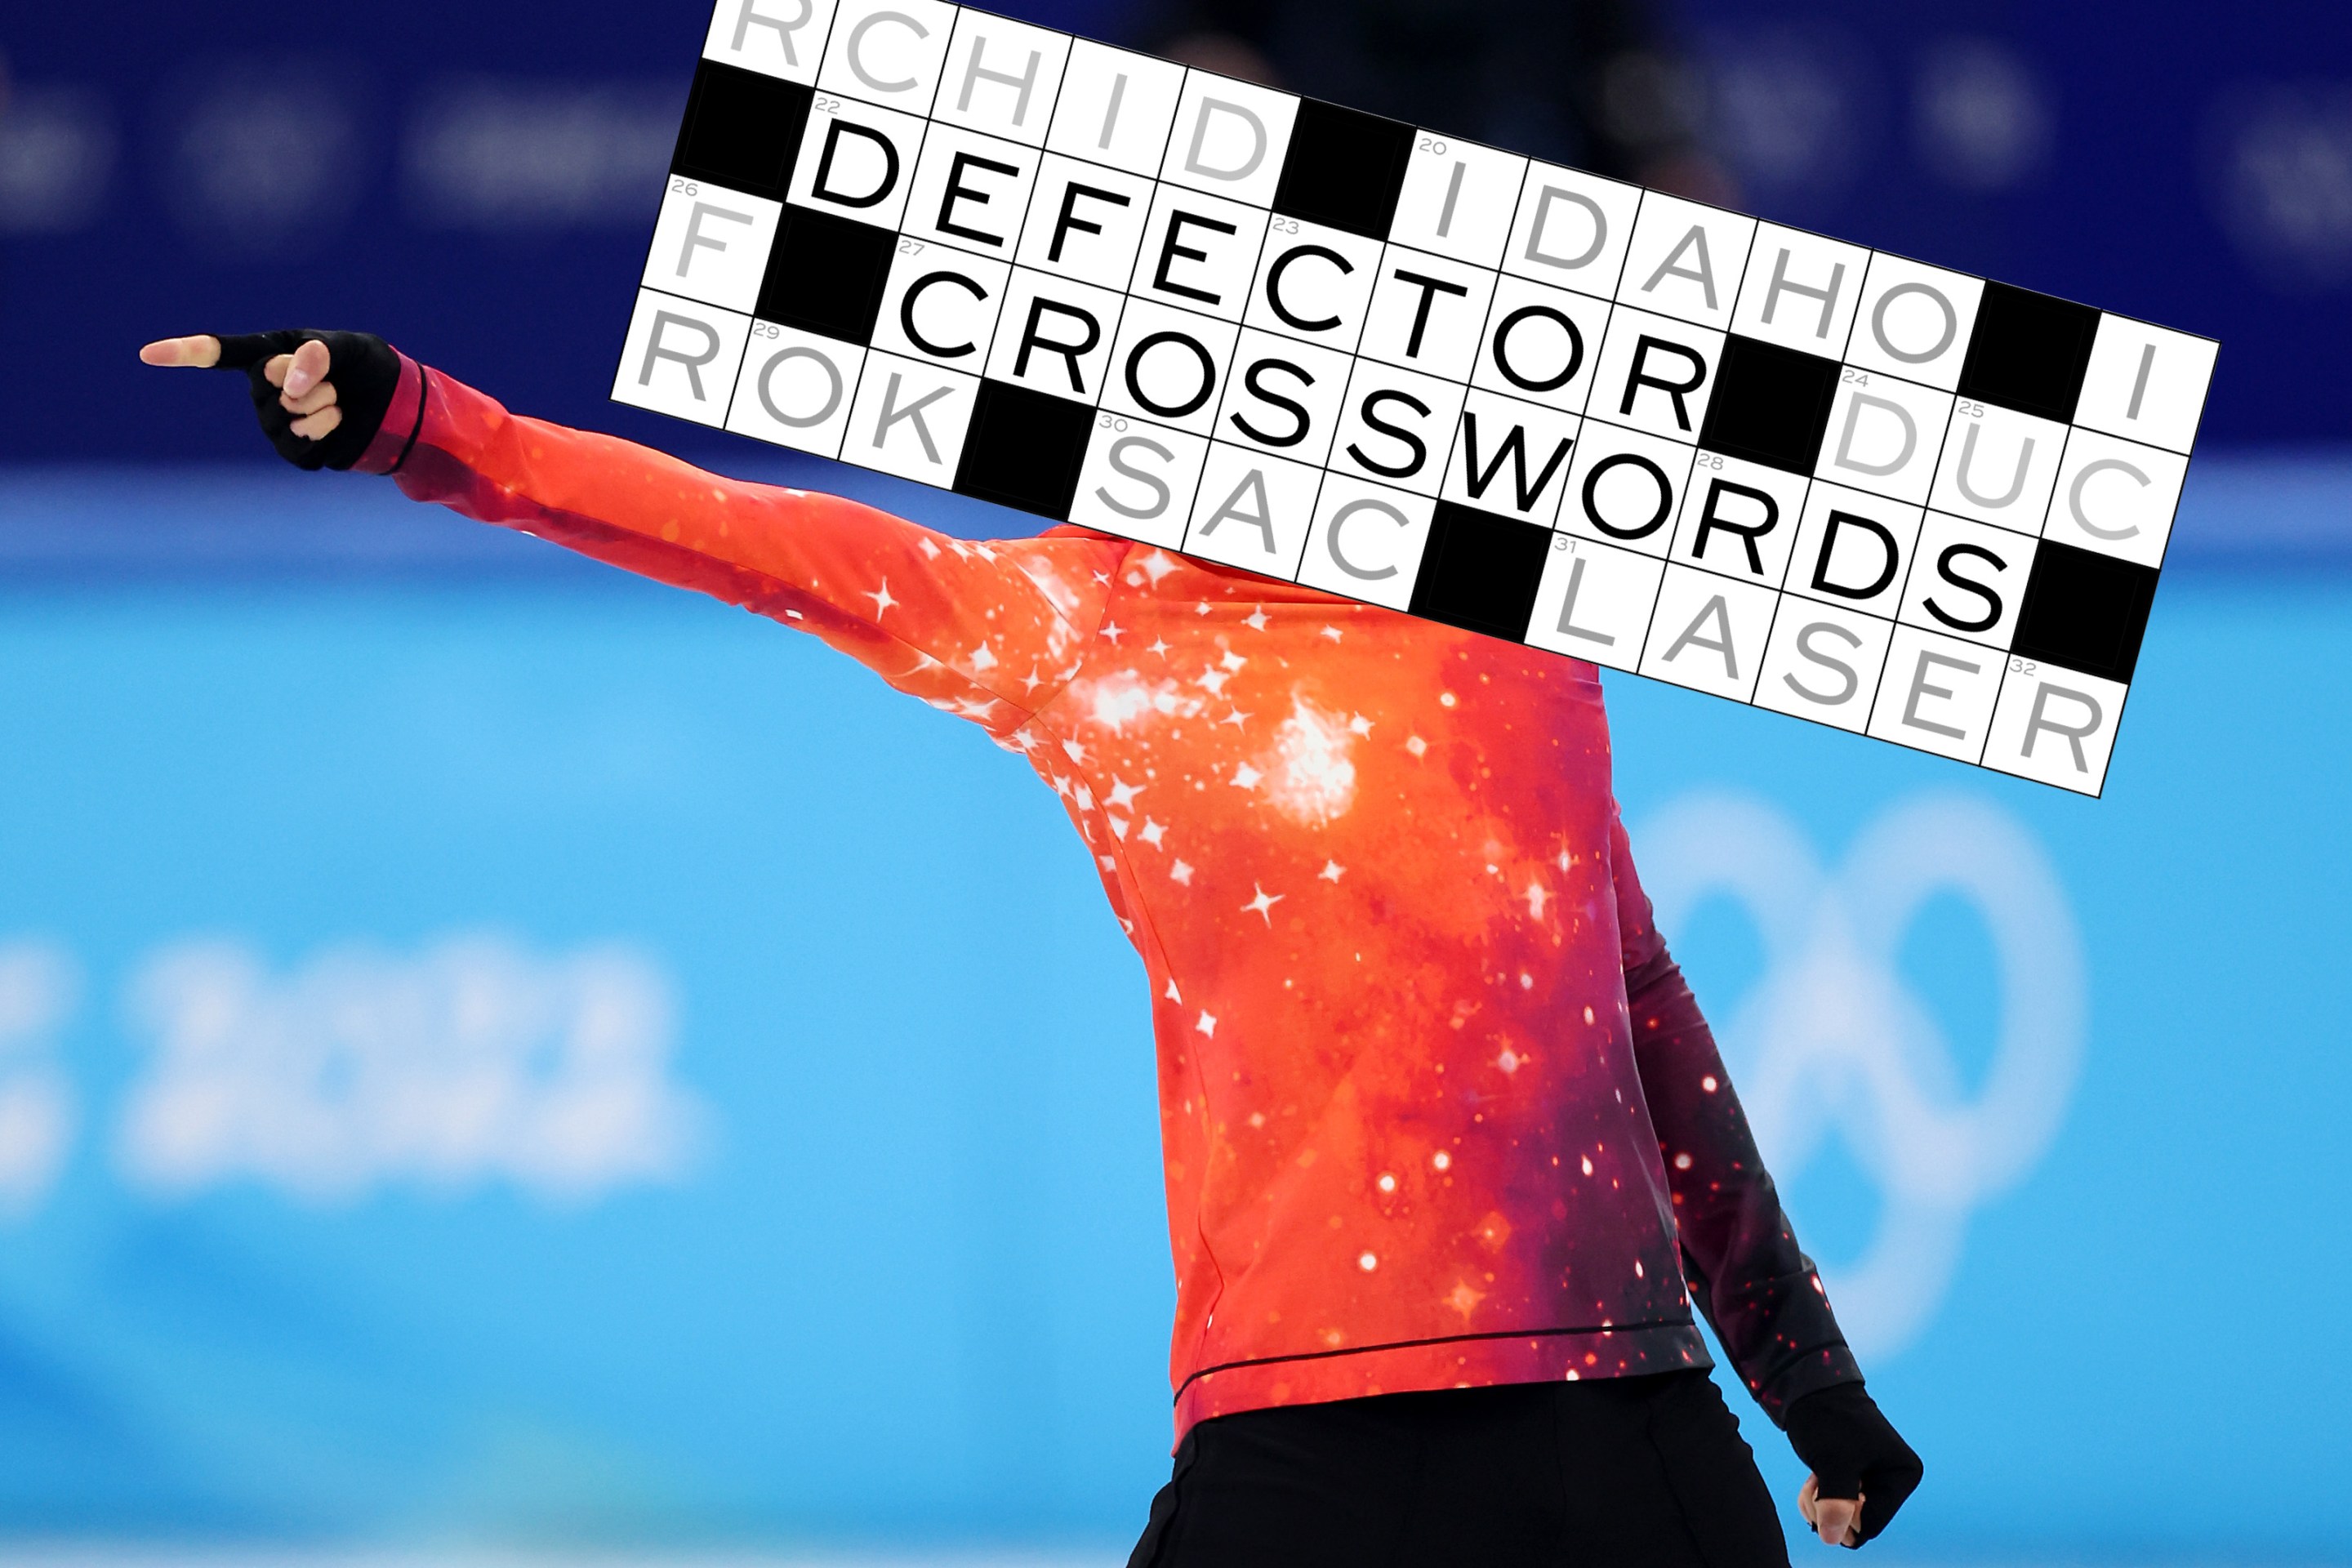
column 1739, row 1252
column 988, row 631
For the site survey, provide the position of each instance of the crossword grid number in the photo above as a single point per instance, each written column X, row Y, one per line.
column 1514, row 397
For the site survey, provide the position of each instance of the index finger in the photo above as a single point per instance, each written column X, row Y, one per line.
column 201, row 353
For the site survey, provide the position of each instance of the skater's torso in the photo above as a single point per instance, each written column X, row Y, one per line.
column 1372, row 866
column 1374, row 869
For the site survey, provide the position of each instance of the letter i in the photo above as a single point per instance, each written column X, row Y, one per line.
column 2139, row 387
column 1110, row 115
column 1445, row 217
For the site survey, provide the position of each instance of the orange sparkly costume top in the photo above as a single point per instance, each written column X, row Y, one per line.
column 1436, row 1108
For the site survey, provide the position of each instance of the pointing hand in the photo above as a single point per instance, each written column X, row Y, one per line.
column 320, row 396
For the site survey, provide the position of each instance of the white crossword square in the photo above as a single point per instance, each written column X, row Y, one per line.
column 910, row 418
column 1655, row 374
column 1312, row 284
column 1229, row 138
column 1002, row 77
column 1998, row 465
column 1055, row 335
column 970, row 191
column 1253, row 510
column 1367, row 540
column 1967, row 580
column 1458, row 200
column 1169, row 366
column 856, row 159
column 1854, row 550
column 1115, row 108
column 712, row 246
column 1937, row 694
column 1427, row 312
column 2057, row 726
column 680, row 358
column 1914, row 322
column 1707, row 632
column 1625, row 488
column 783, row 38
column 1541, row 343
column 1886, row 436
column 2117, row 497
column 1571, row 229
column 1511, row 457
column 796, row 389
column 1686, row 260
column 1084, row 222
column 1802, row 290
column 2146, row 384
column 1823, row 663
column 1397, row 426
column 1596, row 602
column 888, row 52
column 1139, row 480
column 1739, row 519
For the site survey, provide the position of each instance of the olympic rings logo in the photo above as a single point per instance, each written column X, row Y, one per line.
column 1833, row 1040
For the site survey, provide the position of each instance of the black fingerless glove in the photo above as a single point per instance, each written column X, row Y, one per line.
column 364, row 369
column 1854, row 1451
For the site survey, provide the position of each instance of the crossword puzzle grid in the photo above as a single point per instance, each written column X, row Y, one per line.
column 1335, row 349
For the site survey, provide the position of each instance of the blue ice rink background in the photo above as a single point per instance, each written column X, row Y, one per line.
column 873, row 1249
column 497, row 1054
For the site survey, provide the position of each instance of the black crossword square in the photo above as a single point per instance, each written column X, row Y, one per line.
column 1344, row 168
column 1023, row 449
column 742, row 130
column 2029, row 352
column 2084, row 611
column 1770, row 405
column 1480, row 572
column 825, row 274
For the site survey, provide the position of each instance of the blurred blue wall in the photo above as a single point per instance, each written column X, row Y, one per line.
column 493, row 1049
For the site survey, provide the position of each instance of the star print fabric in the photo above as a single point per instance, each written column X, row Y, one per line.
column 1436, row 1108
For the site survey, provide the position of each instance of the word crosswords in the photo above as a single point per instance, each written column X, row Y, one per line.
column 1373, row 359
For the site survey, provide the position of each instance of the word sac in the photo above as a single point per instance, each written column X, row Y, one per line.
column 1340, row 350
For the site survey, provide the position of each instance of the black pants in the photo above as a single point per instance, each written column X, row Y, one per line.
column 1632, row 1472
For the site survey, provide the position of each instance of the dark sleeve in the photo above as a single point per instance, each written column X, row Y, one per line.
column 1759, row 1291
